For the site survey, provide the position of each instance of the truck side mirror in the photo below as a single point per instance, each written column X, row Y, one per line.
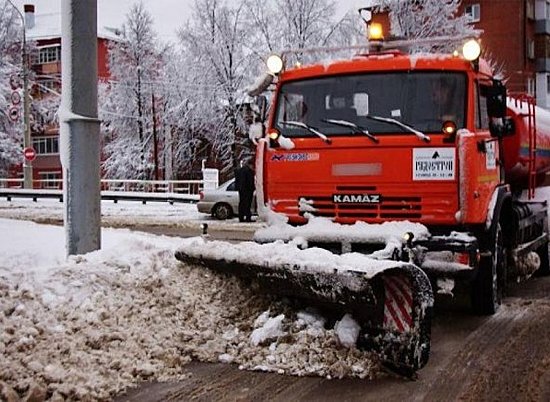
column 496, row 101
column 499, row 124
column 502, row 127
column 261, row 104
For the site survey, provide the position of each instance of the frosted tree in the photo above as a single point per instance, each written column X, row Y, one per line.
column 214, row 42
column 418, row 19
column 136, row 64
column 11, row 133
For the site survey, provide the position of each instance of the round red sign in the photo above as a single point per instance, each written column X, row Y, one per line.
column 29, row 154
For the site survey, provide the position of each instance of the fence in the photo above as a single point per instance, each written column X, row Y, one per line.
column 147, row 186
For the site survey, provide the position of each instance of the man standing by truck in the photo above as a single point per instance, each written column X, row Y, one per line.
column 244, row 182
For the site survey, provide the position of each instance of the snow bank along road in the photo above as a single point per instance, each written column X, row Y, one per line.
column 130, row 315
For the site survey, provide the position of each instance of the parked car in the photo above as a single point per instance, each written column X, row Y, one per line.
column 222, row 202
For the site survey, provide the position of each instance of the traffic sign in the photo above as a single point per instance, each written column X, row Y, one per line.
column 15, row 98
column 29, row 154
column 15, row 82
column 14, row 113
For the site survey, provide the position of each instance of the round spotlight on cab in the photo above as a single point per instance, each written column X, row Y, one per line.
column 275, row 64
column 471, row 50
column 273, row 135
column 449, row 128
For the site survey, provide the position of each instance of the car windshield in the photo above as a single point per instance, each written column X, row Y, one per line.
column 420, row 100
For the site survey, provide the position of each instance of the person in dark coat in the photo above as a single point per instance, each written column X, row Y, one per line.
column 244, row 182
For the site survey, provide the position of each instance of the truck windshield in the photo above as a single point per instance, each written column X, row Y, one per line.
column 421, row 100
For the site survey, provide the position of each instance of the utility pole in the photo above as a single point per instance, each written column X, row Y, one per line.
column 155, row 139
column 27, row 164
column 79, row 136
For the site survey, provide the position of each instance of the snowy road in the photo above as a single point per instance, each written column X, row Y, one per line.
column 504, row 357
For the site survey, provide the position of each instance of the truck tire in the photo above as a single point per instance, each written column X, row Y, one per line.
column 222, row 211
column 489, row 283
column 544, row 269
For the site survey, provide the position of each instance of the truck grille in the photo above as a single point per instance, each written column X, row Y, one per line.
column 393, row 207
column 389, row 207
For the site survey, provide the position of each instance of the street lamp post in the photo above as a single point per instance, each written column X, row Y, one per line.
column 27, row 164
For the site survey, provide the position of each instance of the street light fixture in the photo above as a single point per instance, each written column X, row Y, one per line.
column 27, row 164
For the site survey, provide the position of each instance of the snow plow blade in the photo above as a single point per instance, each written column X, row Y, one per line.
column 391, row 300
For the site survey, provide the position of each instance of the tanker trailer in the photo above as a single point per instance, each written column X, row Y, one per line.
column 531, row 143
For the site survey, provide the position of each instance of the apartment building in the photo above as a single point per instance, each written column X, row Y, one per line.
column 44, row 33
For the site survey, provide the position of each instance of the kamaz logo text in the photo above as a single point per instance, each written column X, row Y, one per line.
column 356, row 198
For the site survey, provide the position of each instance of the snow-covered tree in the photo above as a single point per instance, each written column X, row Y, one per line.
column 214, row 43
column 300, row 24
column 11, row 133
column 136, row 66
column 419, row 19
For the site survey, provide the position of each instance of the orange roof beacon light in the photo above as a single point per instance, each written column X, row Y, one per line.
column 375, row 31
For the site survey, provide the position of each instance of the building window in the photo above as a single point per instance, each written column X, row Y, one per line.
column 531, row 49
column 50, row 54
column 547, row 11
column 548, row 84
column 473, row 12
column 49, row 85
column 50, row 179
column 530, row 9
column 531, row 86
column 46, row 145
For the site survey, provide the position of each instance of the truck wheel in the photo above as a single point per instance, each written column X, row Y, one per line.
column 489, row 284
column 544, row 269
column 222, row 211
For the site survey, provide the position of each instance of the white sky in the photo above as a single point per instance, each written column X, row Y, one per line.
column 168, row 15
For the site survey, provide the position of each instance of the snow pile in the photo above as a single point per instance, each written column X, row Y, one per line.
column 347, row 331
column 271, row 329
column 89, row 327
column 323, row 229
column 303, row 346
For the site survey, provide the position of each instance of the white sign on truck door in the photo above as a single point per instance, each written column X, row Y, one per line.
column 434, row 163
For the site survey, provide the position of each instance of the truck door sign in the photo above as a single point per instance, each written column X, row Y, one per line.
column 356, row 198
column 434, row 163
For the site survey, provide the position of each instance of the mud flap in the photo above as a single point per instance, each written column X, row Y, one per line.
column 393, row 307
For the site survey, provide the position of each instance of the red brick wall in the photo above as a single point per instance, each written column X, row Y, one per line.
column 506, row 33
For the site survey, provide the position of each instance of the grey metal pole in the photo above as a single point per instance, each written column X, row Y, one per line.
column 27, row 164
column 79, row 135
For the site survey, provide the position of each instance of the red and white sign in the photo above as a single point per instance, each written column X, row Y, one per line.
column 15, row 98
column 14, row 113
column 29, row 154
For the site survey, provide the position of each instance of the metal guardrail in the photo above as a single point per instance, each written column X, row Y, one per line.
column 170, row 191
column 147, row 186
column 115, row 196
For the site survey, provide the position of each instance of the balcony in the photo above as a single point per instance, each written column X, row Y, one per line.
column 543, row 64
column 542, row 26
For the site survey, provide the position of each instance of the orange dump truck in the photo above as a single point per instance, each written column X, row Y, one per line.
column 389, row 137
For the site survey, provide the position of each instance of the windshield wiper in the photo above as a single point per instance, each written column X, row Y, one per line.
column 357, row 129
column 389, row 120
column 308, row 128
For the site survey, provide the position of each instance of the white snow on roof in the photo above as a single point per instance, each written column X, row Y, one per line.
column 48, row 26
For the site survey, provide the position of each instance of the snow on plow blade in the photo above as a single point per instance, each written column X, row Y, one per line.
column 391, row 300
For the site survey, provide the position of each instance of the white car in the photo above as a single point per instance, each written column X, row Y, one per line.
column 222, row 202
